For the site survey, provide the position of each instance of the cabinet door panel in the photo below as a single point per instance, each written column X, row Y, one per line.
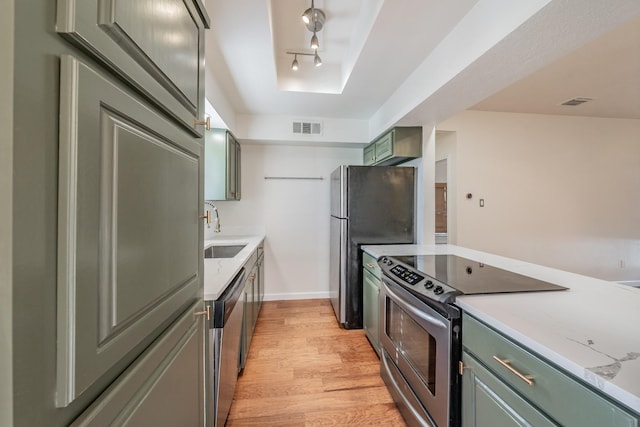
column 154, row 47
column 384, row 147
column 145, row 394
column 128, row 228
column 131, row 38
column 222, row 160
column 369, row 154
column 487, row 401
column 370, row 309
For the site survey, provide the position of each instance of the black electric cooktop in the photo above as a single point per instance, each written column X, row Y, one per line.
column 443, row 277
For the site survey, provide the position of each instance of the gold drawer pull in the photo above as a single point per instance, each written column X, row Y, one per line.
column 507, row 364
column 371, row 265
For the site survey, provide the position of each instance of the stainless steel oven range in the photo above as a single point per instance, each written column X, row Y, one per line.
column 421, row 332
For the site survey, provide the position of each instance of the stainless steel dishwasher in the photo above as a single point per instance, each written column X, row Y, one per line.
column 223, row 350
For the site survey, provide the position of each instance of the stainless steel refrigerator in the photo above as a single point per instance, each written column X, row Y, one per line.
column 370, row 205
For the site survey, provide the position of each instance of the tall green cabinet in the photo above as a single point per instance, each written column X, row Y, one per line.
column 106, row 241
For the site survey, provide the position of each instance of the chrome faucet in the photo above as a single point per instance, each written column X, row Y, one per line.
column 216, row 222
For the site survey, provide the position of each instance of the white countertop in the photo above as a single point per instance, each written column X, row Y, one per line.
column 219, row 272
column 590, row 330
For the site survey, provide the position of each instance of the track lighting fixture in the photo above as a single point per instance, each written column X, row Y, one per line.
column 314, row 21
column 294, row 65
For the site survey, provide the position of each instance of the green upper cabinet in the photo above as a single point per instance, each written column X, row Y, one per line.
column 131, row 38
column 397, row 146
column 369, row 154
column 222, row 159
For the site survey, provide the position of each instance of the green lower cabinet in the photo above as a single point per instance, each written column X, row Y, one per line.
column 252, row 300
column 487, row 401
column 506, row 384
column 370, row 308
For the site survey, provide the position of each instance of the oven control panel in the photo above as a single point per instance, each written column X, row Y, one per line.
column 417, row 281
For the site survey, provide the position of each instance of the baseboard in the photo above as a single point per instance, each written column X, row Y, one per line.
column 296, row 295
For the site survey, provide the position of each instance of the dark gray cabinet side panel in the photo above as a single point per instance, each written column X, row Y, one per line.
column 156, row 46
column 128, row 227
column 158, row 388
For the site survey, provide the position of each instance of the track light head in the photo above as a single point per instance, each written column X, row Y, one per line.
column 306, row 16
column 316, row 60
column 294, row 64
column 314, row 41
column 314, row 18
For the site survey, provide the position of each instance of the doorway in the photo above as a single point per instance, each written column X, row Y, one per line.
column 441, row 234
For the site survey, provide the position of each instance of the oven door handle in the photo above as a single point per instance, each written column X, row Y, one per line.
column 411, row 308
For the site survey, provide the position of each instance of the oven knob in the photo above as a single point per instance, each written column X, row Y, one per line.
column 429, row 284
column 389, row 262
column 438, row 290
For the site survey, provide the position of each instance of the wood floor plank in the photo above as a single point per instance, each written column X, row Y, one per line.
column 366, row 415
column 304, row 370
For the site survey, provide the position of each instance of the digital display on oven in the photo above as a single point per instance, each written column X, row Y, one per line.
column 406, row 275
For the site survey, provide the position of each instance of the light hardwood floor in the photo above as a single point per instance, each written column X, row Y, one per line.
column 304, row 370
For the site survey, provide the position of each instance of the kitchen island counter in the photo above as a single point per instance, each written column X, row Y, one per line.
column 219, row 272
column 589, row 330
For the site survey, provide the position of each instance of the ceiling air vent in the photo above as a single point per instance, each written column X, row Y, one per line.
column 307, row 128
column 576, row 101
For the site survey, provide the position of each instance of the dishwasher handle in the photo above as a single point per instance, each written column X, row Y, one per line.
column 223, row 306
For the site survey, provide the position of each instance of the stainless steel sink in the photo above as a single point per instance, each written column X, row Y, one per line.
column 228, row 251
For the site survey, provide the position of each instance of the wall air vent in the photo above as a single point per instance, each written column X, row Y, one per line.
column 576, row 101
column 307, row 128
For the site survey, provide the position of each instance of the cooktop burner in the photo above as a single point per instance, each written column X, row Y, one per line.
column 443, row 277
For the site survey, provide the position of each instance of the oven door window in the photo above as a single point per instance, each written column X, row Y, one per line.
column 415, row 344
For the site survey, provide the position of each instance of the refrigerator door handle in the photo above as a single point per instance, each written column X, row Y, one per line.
column 344, row 243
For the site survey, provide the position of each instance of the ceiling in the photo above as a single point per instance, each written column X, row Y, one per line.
column 369, row 48
column 607, row 70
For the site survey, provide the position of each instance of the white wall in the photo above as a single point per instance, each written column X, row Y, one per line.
column 446, row 150
column 559, row 191
column 294, row 213
column 279, row 129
